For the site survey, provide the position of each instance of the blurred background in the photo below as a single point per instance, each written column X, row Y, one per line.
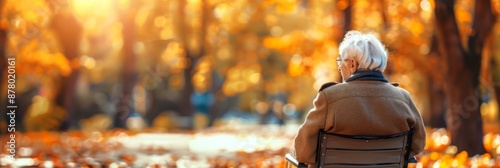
column 91, row 67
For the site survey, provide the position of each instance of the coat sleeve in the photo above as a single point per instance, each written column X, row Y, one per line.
column 418, row 141
column 307, row 136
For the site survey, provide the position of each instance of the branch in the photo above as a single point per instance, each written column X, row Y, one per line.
column 385, row 15
column 182, row 28
column 205, row 13
column 3, row 46
column 484, row 19
column 436, row 61
column 347, row 19
column 448, row 34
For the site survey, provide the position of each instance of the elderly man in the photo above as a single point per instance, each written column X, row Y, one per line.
column 364, row 104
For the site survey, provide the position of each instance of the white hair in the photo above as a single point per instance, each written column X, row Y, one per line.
column 366, row 49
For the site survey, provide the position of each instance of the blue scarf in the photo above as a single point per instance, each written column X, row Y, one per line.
column 367, row 76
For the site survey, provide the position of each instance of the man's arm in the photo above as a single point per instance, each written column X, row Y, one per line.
column 418, row 142
column 307, row 136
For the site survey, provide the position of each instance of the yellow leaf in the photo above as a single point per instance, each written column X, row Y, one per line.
column 273, row 43
column 286, row 6
column 416, row 28
column 295, row 70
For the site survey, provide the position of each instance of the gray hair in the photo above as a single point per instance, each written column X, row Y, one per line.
column 366, row 49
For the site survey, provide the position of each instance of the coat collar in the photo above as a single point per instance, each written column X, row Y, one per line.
column 367, row 76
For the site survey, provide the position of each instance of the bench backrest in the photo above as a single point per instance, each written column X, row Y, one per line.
column 337, row 150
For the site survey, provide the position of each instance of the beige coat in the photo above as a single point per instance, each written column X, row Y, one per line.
column 359, row 108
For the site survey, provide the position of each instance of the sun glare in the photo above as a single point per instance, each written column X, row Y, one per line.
column 92, row 7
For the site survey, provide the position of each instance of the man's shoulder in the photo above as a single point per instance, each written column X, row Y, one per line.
column 395, row 84
column 326, row 85
column 337, row 84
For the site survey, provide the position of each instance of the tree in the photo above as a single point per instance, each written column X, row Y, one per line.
column 192, row 25
column 496, row 80
column 403, row 26
column 69, row 33
column 3, row 64
column 129, row 67
column 3, row 44
column 436, row 93
column 495, row 69
column 463, row 62
column 38, row 60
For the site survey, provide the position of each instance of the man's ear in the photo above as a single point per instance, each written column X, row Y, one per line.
column 353, row 65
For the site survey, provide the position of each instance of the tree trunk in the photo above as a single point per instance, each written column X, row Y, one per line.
column 463, row 116
column 3, row 68
column 495, row 75
column 217, row 110
column 186, row 109
column 3, row 44
column 462, row 73
column 347, row 25
column 497, row 94
column 437, row 99
column 192, row 54
column 69, row 33
column 347, row 17
column 129, row 75
column 437, row 105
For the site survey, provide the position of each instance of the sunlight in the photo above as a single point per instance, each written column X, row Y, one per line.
column 83, row 8
column 498, row 150
column 425, row 5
